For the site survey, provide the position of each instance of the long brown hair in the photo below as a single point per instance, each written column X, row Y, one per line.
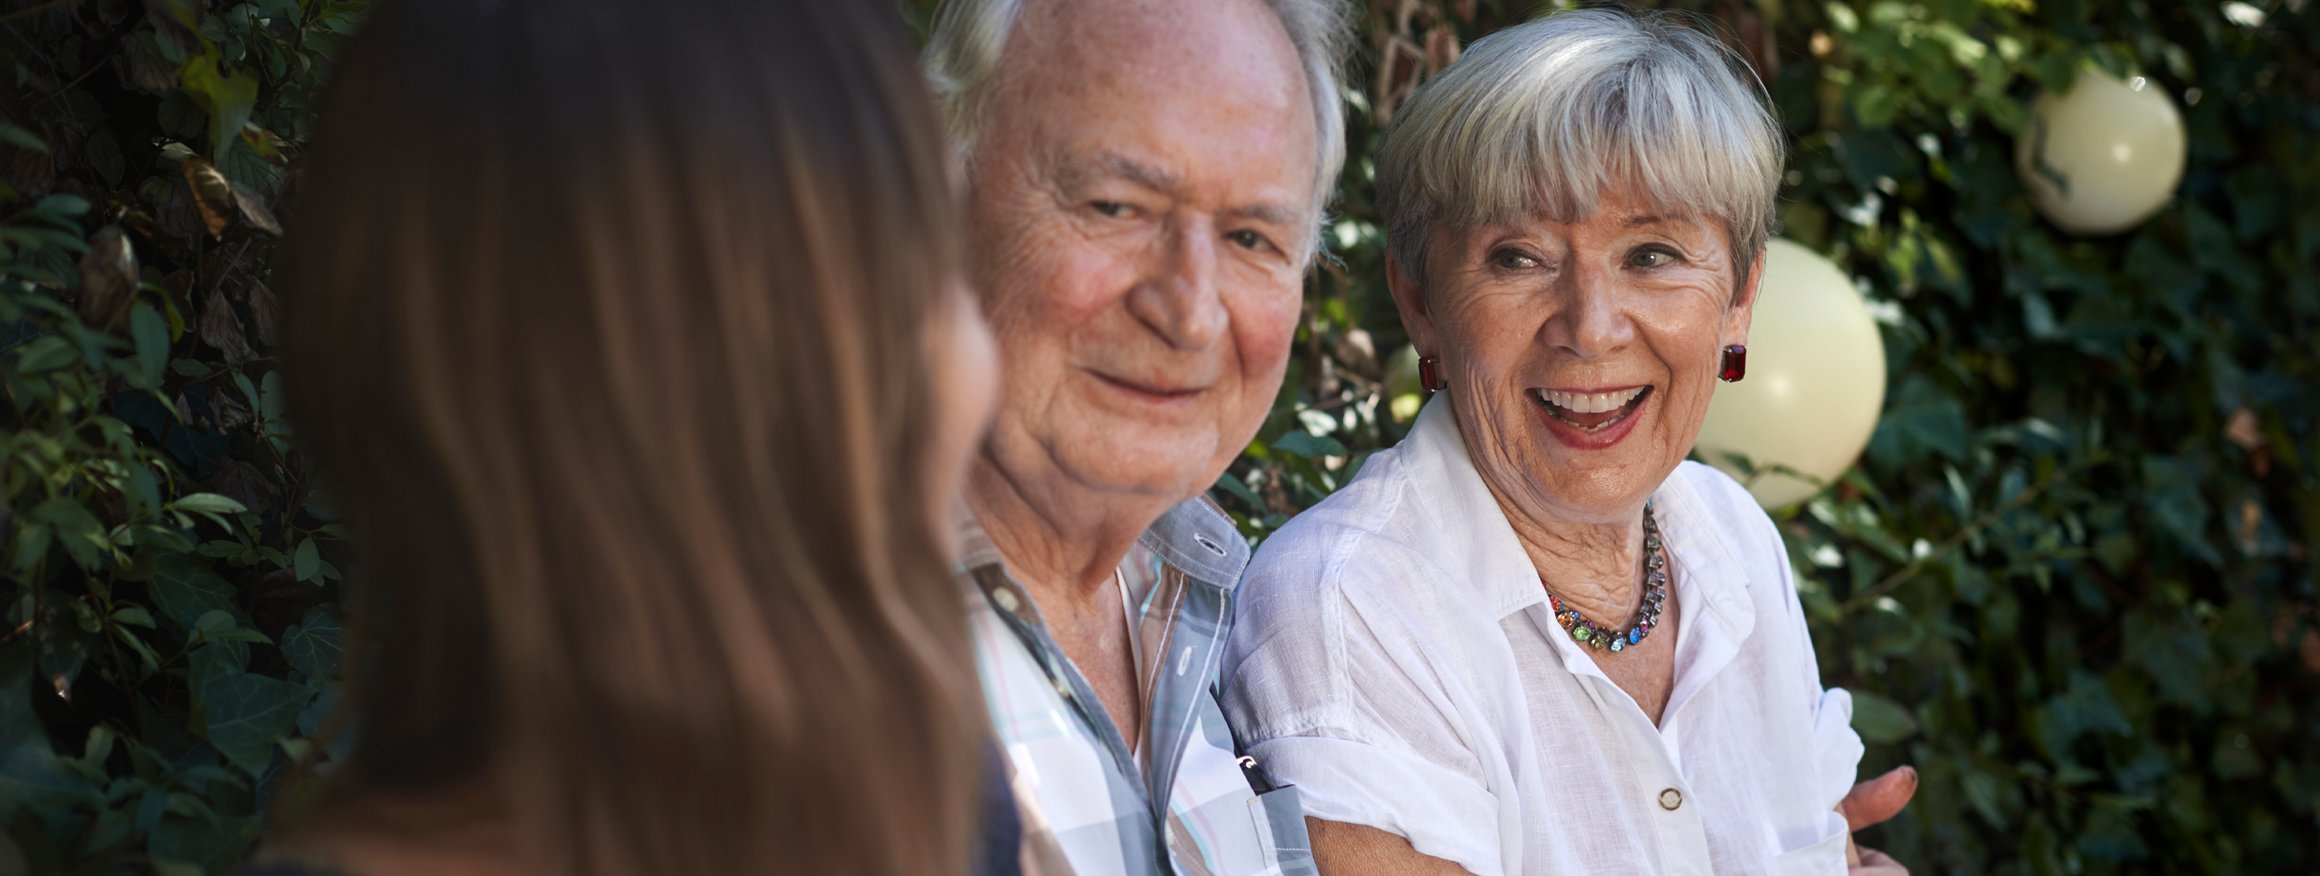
column 606, row 320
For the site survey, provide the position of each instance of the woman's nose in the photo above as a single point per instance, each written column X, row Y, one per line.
column 1593, row 320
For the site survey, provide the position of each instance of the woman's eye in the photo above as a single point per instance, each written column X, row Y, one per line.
column 1651, row 257
column 1249, row 240
column 1513, row 260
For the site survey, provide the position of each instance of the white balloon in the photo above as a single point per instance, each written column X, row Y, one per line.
column 1403, row 394
column 2103, row 156
column 1815, row 381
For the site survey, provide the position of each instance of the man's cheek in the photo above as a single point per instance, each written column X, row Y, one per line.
column 1265, row 339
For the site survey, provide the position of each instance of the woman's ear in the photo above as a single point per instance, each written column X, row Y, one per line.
column 1410, row 300
column 1744, row 303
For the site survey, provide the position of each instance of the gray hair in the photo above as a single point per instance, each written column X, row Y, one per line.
column 963, row 53
column 1550, row 113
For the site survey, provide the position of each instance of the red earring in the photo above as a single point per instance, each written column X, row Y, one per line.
column 1735, row 363
column 1430, row 374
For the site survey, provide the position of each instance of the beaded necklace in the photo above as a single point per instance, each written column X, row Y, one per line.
column 1588, row 632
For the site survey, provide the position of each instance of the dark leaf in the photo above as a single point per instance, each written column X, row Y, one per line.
column 259, row 298
column 143, row 65
column 222, row 329
column 313, row 645
column 151, row 335
column 245, row 714
column 1881, row 721
column 104, row 156
column 1308, row 446
column 252, row 207
column 184, row 589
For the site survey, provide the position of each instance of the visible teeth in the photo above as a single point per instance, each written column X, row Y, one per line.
column 1591, row 402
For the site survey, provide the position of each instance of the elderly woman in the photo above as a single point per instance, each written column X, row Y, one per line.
column 1532, row 638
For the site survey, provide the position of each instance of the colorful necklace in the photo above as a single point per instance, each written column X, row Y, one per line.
column 1587, row 632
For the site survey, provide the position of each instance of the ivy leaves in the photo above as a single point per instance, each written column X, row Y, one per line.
column 170, row 572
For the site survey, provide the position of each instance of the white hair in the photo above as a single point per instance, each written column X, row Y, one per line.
column 1545, row 116
column 963, row 53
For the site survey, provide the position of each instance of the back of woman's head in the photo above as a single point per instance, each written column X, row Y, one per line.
column 605, row 319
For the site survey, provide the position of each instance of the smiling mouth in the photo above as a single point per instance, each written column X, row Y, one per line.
column 1166, row 393
column 1590, row 411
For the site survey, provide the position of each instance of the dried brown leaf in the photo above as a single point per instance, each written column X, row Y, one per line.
column 242, row 483
column 213, row 194
column 143, row 66
column 221, row 328
column 1442, row 49
column 108, row 278
column 31, row 172
column 252, row 206
column 1357, row 350
column 1401, row 64
column 226, row 407
column 2246, row 431
column 262, row 306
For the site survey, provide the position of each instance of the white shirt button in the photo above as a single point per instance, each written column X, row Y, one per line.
column 1671, row 799
column 1006, row 600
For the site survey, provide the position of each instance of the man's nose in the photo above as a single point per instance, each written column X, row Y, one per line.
column 1178, row 296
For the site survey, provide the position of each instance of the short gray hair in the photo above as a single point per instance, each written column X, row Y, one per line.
column 962, row 64
column 1548, row 114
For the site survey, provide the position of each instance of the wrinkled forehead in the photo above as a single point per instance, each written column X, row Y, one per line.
column 1126, row 46
column 1178, row 97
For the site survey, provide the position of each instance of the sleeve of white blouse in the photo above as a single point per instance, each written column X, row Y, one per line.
column 1324, row 704
column 1838, row 748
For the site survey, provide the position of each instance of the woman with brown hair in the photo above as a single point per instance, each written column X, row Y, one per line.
column 631, row 336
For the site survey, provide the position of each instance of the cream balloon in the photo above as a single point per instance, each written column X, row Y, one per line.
column 1815, row 382
column 1403, row 394
column 2103, row 156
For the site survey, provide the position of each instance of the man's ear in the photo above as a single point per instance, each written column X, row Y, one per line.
column 1744, row 303
column 1410, row 300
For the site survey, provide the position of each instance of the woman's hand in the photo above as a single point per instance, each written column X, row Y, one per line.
column 1874, row 802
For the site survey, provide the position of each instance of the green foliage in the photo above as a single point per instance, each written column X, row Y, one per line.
column 171, row 630
column 2071, row 578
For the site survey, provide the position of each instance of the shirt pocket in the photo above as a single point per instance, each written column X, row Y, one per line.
column 1823, row 857
column 1280, row 822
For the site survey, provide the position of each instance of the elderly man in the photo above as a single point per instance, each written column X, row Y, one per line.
column 1147, row 179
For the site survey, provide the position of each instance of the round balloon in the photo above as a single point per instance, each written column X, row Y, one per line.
column 1814, row 387
column 2103, row 156
column 1403, row 394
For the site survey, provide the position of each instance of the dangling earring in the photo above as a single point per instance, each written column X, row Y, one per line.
column 1430, row 374
column 1735, row 363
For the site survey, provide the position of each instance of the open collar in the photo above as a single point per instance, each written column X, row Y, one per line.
column 1477, row 550
column 1195, row 537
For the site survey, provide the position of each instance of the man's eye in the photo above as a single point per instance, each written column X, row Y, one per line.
column 1249, row 240
column 1109, row 209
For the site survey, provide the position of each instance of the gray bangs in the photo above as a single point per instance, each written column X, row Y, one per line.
column 1547, row 116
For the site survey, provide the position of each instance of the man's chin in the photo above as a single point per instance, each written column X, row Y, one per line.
column 1159, row 466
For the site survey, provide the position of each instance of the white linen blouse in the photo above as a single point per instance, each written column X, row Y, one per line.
column 1395, row 659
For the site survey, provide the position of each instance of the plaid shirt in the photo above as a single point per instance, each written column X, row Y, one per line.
column 1083, row 795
